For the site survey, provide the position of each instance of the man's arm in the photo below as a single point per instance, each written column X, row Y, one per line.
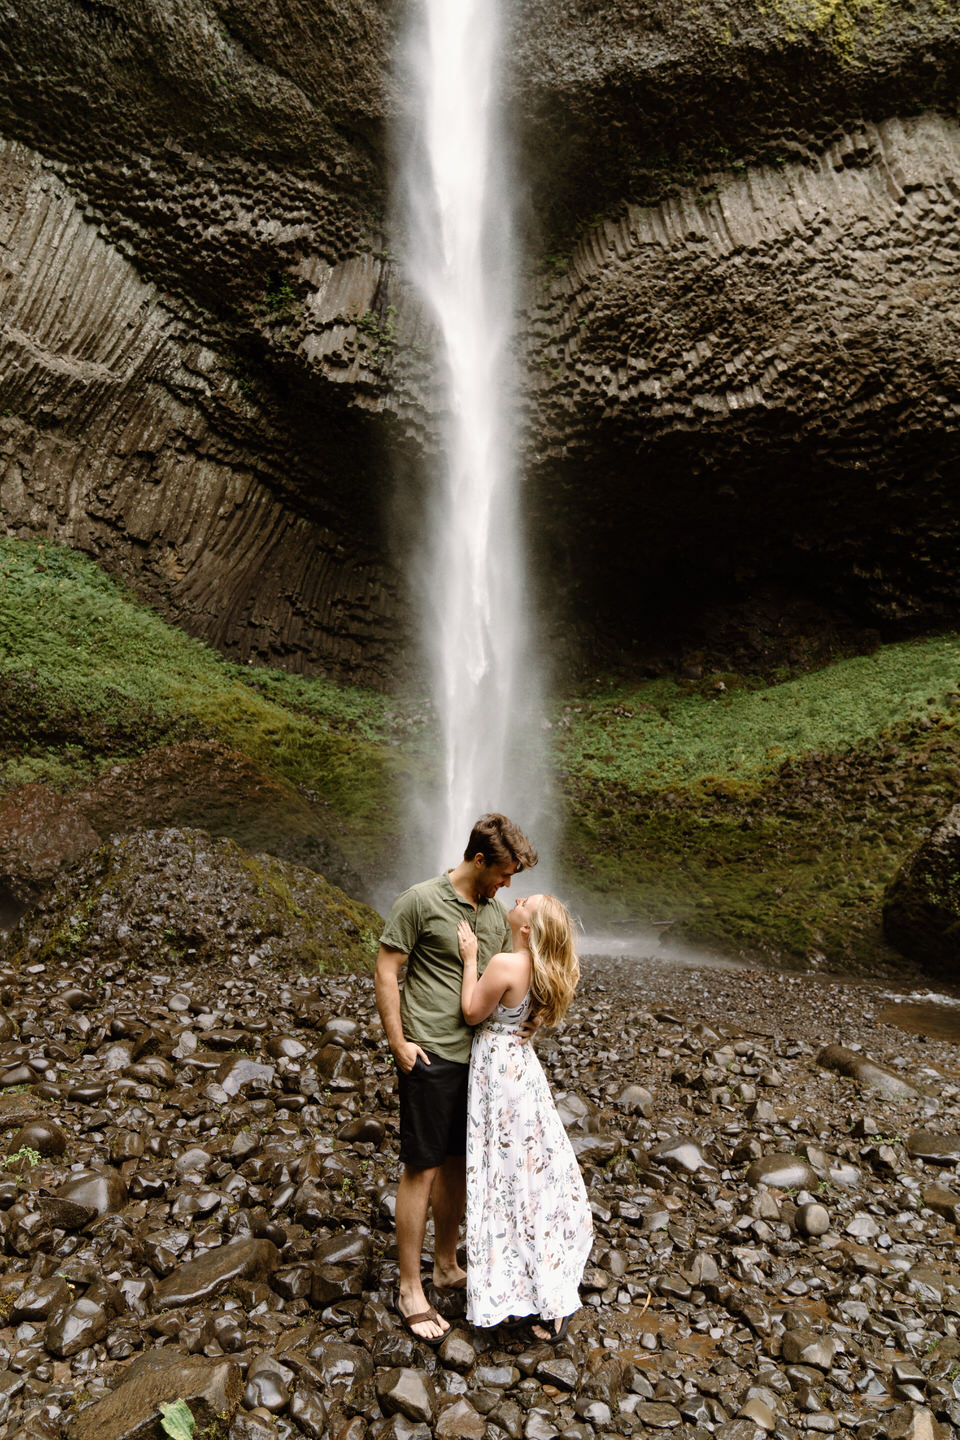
column 386, row 984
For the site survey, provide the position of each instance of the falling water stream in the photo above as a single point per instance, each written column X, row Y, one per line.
column 461, row 258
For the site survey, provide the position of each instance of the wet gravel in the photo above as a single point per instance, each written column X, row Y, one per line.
column 196, row 1198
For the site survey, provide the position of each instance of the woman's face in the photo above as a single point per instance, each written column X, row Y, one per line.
column 524, row 909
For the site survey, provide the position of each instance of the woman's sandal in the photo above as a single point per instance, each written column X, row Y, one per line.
column 554, row 1336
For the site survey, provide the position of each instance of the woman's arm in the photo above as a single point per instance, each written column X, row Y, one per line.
column 480, row 997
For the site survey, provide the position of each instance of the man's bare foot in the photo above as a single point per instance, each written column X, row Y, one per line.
column 452, row 1278
column 419, row 1317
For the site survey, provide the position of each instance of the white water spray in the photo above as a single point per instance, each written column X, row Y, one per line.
column 461, row 259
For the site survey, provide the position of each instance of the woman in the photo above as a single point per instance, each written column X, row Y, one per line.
column 529, row 1227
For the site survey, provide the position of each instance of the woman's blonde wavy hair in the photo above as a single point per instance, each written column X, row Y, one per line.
column 556, row 968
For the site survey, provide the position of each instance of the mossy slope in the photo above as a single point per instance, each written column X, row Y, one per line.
column 765, row 820
column 89, row 676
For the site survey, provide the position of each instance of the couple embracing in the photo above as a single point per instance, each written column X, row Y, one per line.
column 478, row 1127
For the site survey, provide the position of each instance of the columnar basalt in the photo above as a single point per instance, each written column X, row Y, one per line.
column 758, row 375
column 740, row 373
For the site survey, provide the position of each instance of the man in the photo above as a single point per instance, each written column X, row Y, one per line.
column 431, row 1041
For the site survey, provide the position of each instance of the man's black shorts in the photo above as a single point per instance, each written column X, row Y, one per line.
column 433, row 1111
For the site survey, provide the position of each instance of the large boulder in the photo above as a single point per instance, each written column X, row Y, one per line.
column 921, row 909
column 164, row 896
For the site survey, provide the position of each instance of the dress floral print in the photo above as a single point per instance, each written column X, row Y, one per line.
column 529, row 1227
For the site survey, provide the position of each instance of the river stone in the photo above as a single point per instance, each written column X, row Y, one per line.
column 216, row 1269
column 806, row 1347
column 657, row 1414
column 41, row 1135
column 338, row 1069
column 211, row 1388
column 759, row 1412
column 18, row 1109
column 341, row 1364
column 39, row 1298
column 595, row 1149
column 78, row 1326
column 460, row 1421
column 813, row 1219
column 365, row 1129
column 937, row 1149
column 100, row 1191
column 945, row 1202
column 240, row 1072
column 866, row 1072
column 678, row 1154
column 411, row 1392
column 636, row 1100
column 64, row 1214
column 782, row 1171
column 268, row 1387
column 309, row 1412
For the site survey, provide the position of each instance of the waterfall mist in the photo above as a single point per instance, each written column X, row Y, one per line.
column 460, row 254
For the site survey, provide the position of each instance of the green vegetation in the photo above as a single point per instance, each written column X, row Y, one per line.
column 177, row 1420
column 763, row 819
column 24, row 1156
column 279, row 296
column 840, row 22
column 89, row 677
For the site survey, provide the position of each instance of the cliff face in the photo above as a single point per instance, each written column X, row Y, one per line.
column 737, row 341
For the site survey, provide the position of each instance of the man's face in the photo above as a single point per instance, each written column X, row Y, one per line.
column 491, row 878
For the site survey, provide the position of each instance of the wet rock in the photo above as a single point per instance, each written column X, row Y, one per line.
column 459, row 1421
column 813, row 1219
column 211, row 1388
column 40, row 1298
column 636, row 1100
column 268, row 1385
column 41, row 1135
column 338, row 1069
column 935, row 1149
column 366, row 1129
column 678, row 1154
column 782, row 1171
column 308, row 1411
column 75, row 1328
column 99, row 1192
column 658, row 1415
column 411, row 1392
column 211, row 1273
column 866, row 1072
column 806, row 1347
column 240, row 1073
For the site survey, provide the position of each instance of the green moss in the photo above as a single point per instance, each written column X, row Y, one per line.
column 88, row 675
column 765, row 820
column 840, row 22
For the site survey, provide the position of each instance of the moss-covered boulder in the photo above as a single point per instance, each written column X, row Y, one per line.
column 182, row 897
column 921, row 910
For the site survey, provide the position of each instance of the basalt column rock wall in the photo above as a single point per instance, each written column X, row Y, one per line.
column 756, row 384
column 196, row 315
column 737, row 340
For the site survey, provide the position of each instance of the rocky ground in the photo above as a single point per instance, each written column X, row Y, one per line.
column 197, row 1191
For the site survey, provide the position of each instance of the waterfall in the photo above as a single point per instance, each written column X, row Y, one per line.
column 460, row 255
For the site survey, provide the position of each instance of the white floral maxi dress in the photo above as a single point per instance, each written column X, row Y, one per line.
column 529, row 1226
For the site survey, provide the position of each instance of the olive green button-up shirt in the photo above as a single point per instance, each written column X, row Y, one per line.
column 423, row 924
